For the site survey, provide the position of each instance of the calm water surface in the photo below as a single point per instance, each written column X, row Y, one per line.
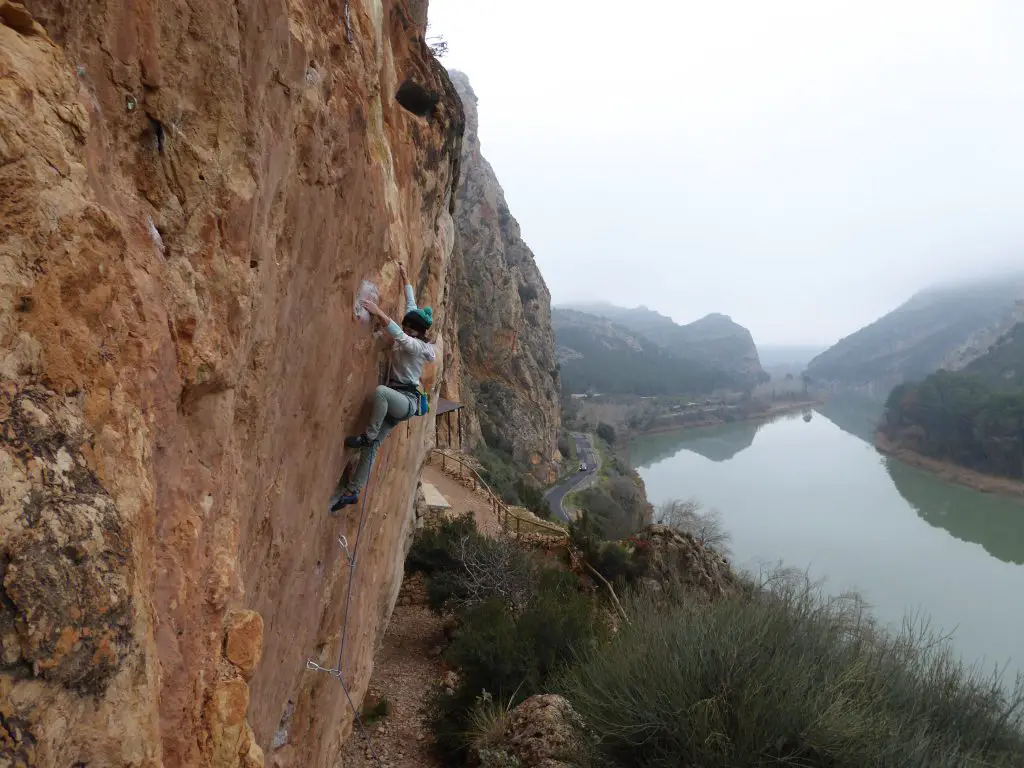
column 817, row 495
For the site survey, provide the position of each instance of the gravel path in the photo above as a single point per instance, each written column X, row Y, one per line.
column 408, row 665
column 406, row 669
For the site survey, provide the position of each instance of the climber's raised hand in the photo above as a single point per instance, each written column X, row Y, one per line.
column 402, row 273
column 372, row 308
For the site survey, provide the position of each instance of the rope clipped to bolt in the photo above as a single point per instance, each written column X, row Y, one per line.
column 350, row 557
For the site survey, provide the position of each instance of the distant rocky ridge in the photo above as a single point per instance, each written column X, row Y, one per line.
column 599, row 355
column 714, row 340
column 945, row 327
column 1002, row 366
column 508, row 369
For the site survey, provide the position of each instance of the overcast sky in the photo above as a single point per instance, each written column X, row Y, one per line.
column 800, row 165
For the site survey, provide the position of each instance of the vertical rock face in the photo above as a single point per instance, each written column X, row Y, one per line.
column 508, row 368
column 191, row 194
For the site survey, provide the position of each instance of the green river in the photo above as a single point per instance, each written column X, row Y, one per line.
column 818, row 496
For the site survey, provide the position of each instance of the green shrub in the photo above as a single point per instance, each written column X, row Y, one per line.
column 606, row 432
column 511, row 657
column 565, row 447
column 376, row 712
column 488, row 720
column 434, row 548
column 785, row 677
column 609, row 519
column 533, row 499
column 500, row 473
column 464, row 567
column 609, row 558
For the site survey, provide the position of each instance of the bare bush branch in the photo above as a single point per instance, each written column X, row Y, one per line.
column 495, row 568
column 707, row 527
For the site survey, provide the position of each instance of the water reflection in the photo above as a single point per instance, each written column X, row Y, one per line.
column 718, row 443
column 817, row 496
column 996, row 523
column 854, row 415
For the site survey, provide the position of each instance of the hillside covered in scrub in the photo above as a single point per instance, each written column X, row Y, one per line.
column 942, row 327
column 973, row 418
column 599, row 355
column 715, row 340
column 638, row 653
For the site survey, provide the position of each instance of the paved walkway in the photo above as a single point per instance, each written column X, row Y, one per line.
column 462, row 499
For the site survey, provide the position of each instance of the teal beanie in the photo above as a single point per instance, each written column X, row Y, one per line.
column 421, row 318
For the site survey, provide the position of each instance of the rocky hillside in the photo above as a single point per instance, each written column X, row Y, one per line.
column 509, row 374
column 191, row 197
column 599, row 355
column 1002, row 365
column 714, row 340
column 944, row 327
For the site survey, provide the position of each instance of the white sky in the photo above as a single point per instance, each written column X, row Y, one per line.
column 800, row 165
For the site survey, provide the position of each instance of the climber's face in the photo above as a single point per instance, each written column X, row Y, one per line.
column 416, row 333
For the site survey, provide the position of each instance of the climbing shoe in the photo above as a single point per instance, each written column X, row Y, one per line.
column 359, row 441
column 343, row 501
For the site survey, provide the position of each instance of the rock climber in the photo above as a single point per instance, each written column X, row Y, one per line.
column 401, row 398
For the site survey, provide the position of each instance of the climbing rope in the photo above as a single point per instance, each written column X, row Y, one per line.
column 350, row 557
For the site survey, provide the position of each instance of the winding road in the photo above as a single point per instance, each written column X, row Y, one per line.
column 584, row 453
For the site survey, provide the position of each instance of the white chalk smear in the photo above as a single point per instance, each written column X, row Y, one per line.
column 155, row 234
column 367, row 292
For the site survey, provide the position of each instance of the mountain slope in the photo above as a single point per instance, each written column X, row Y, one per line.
column 973, row 417
column 941, row 327
column 597, row 354
column 509, row 374
column 714, row 340
column 1002, row 366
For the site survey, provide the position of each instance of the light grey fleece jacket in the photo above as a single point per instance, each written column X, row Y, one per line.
column 409, row 355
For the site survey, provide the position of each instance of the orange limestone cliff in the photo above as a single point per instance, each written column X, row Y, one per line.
column 191, row 196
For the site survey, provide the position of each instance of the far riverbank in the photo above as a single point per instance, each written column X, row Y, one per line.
column 954, row 473
column 773, row 410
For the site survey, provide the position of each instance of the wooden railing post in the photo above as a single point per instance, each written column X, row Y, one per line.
column 498, row 507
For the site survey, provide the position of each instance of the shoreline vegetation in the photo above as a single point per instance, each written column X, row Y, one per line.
column 947, row 470
column 774, row 409
column 632, row 415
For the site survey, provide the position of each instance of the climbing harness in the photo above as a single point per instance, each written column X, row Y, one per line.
column 350, row 557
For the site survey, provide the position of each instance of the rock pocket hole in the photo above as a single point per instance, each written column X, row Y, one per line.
column 158, row 133
column 416, row 99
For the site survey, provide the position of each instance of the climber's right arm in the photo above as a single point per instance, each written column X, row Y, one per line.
column 410, row 298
